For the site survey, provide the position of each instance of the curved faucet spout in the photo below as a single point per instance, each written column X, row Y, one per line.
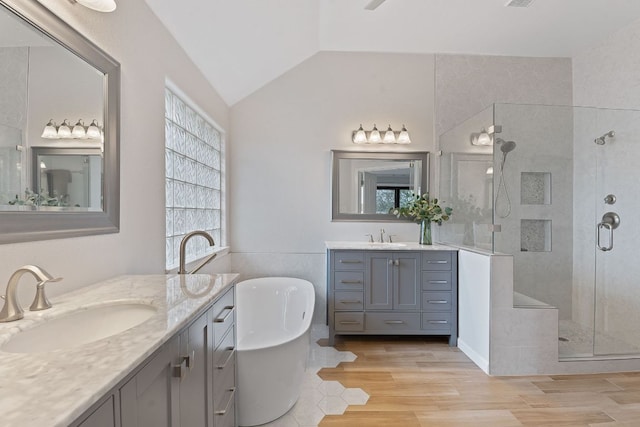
column 183, row 247
column 12, row 309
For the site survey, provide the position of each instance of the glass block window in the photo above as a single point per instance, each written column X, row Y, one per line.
column 193, row 164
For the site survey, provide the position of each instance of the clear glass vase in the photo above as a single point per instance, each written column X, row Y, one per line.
column 425, row 232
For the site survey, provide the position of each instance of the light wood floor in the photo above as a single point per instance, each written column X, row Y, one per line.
column 424, row 382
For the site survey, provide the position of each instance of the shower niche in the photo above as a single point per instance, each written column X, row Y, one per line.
column 535, row 235
column 535, row 188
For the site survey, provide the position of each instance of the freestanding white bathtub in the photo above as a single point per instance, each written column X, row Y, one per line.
column 273, row 323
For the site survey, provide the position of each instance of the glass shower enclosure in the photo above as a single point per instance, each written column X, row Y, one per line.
column 556, row 188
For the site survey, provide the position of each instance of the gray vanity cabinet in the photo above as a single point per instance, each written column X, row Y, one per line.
column 400, row 292
column 151, row 397
column 189, row 381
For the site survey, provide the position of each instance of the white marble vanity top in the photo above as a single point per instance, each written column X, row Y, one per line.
column 400, row 246
column 54, row 388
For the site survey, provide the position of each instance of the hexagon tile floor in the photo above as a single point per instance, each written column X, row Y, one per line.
column 319, row 398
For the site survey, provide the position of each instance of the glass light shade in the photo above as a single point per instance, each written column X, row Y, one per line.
column 50, row 131
column 389, row 136
column 93, row 131
column 64, row 131
column 359, row 136
column 99, row 5
column 404, row 138
column 42, row 165
column 78, row 130
column 484, row 138
column 490, row 170
column 374, row 136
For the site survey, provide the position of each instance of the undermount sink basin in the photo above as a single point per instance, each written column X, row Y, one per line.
column 79, row 327
column 386, row 245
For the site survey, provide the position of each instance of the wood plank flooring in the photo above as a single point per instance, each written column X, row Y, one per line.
column 418, row 382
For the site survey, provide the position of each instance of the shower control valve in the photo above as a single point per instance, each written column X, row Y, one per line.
column 610, row 199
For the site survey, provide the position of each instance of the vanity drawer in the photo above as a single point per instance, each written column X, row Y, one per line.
column 224, row 371
column 346, row 260
column 436, row 301
column 222, row 316
column 436, row 322
column 436, row 260
column 345, row 300
column 224, row 361
column 345, row 322
column 392, row 322
column 348, row 280
column 436, row 281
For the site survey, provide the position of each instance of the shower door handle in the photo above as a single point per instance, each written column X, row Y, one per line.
column 610, row 221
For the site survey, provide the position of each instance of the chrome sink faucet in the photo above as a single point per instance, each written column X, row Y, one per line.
column 183, row 248
column 12, row 310
column 382, row 235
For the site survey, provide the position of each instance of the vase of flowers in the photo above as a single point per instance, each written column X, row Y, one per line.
column 424, row 211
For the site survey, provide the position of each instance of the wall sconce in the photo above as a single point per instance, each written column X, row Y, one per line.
column 484, row 137
column 78, row 131
column 99, row 5
column 361, row 136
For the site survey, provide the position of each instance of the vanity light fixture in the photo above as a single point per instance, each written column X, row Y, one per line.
column 484, row 137
column 66, row 131
column 99, row 5
column 361, row 136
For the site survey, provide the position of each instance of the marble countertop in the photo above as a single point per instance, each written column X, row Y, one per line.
column 399, row 246
column 54, row 388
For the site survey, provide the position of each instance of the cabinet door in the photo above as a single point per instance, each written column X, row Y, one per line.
column 103, row 416
column 195, row 386
column 378, row 278
column 406, row 277
column 150, row 398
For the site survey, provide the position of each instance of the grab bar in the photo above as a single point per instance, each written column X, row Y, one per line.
column 608, row 227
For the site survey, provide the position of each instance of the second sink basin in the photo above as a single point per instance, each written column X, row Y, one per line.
column 79, row 327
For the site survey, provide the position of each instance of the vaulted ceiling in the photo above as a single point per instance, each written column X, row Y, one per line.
column 240, row 45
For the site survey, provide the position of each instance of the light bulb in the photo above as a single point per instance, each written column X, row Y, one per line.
column 484, row 138
column 389, row 136
column 359, row 136
column 374, row 136
column 403, row 138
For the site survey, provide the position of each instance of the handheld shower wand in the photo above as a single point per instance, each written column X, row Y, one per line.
column 506, row 147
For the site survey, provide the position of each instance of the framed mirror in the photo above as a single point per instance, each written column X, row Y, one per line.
column 59, row 129
column 366, row 185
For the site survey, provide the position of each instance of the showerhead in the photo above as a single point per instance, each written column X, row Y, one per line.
column 603, row 139
column 507, row 146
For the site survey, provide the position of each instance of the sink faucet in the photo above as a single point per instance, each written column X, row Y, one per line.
column 183, row 247
column 382, row 235
column 12, row 310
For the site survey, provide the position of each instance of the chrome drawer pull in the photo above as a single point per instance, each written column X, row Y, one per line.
column 437, row 262
column 439, row 281
column 437, row 301
column 226, row 407
column 349, row 322
column 438, row 321
column 231, row 350
column 350, row 261
column 351, row 282
column 222, row 319
column 346, row 301
column 179, row 371
column 394, row 322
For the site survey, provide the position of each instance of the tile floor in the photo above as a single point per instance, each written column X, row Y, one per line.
column 318, row 397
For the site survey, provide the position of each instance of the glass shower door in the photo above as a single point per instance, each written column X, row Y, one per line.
column 617, row 233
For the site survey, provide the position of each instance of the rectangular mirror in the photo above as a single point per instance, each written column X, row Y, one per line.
column 366, row 185
column 59, row 131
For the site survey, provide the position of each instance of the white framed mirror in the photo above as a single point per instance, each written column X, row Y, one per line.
column 52, row 75
column 366, row 185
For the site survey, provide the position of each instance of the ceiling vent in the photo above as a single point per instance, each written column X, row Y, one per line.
column 518, row 3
